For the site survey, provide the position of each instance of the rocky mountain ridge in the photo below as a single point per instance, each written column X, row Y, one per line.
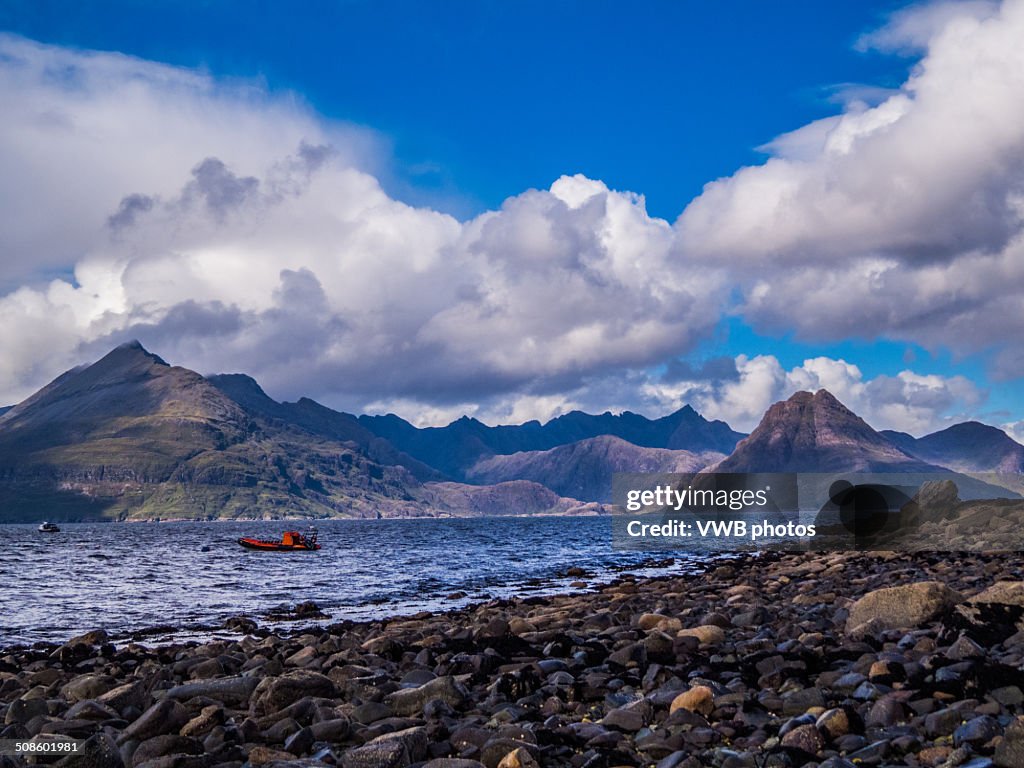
column 132, row 437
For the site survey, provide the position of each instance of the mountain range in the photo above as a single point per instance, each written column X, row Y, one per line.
column 132, row 437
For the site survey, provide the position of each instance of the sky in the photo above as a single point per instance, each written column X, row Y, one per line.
column 512, row 210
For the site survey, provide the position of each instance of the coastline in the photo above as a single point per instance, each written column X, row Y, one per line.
column 775, row 659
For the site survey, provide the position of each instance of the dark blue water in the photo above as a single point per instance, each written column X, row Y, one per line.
column 127, row 577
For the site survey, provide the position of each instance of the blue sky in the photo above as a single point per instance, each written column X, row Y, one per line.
column 462, row 108
column 482, row 100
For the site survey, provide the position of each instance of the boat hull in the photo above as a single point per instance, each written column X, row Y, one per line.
column 276, row 546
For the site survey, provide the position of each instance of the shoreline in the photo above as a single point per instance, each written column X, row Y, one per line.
column 285, row 620
column 309, row 520
column 779, row 659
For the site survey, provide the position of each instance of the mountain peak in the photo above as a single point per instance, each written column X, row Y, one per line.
column 815, row 432
column 131, row 350
column 238, row 385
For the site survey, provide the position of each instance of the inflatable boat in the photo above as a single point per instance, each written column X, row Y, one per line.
column 291, row 541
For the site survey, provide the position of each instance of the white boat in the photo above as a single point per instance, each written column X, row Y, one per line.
column 49, row 528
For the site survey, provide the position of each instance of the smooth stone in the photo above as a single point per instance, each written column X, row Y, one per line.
column 804, row 738
column 229, row 690
column 698, row 699
column 168, row 744
column 166, row 716
column 371, row 712
column 976, row 731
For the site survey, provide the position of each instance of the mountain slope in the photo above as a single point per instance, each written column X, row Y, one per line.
column 967, row 447
column 816, row 433
column 319, row 420
column 131, row 437
column 584, row 469
column 461, row 445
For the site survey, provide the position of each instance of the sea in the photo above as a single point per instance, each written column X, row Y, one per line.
column 172, row 581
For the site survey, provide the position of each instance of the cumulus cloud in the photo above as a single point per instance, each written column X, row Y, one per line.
column 910, row 30
column 81, row 131
column 908, row 401
column 234, row 230
column 902, row 220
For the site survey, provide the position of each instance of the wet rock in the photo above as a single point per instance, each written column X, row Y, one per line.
column 241, row 624
column 133, row 695
column 872, row 754
column 98, row 751
column 885, row 712
column 805, row 738
column 303, row 658
column 942, row 723
column 300, row 742
column 275, row 693
column 23, row 710
column 228, row 690
column 977, row 731
column 168, row 744
column 628, row 719
column 166, row 716
column 89, row 686
column 412, row 700
column 334, row 730
column 371, row 712
column 90, row 710
column 391, row 750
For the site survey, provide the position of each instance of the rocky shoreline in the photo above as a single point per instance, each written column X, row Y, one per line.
column 829, row 660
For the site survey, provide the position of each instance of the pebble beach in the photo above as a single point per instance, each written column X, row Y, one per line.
column 827, row 660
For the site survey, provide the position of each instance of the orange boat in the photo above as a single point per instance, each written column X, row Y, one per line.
column 291, row 541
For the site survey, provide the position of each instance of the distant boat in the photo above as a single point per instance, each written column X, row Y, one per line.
column 291, row 541
column 49, row 528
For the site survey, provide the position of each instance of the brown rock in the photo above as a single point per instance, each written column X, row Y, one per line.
column 708, row 634
column 698, row 699
column 518, row 758
column 902, row 607
column 261, row 755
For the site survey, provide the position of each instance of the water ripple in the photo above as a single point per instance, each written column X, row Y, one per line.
column 128, row 577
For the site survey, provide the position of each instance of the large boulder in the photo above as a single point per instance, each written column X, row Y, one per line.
column 410, row 701
column 1001, row 593
column 275, row 693
column 166, row 716
column 902, row 607
column 227, row 690
column 392, row 750
column 99, row 751
column 934, row 500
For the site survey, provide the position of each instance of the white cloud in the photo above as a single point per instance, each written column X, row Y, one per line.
column 911, row 29
column 233, row 229
column 229, row 228
column 903, row 220
column 908, row 401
